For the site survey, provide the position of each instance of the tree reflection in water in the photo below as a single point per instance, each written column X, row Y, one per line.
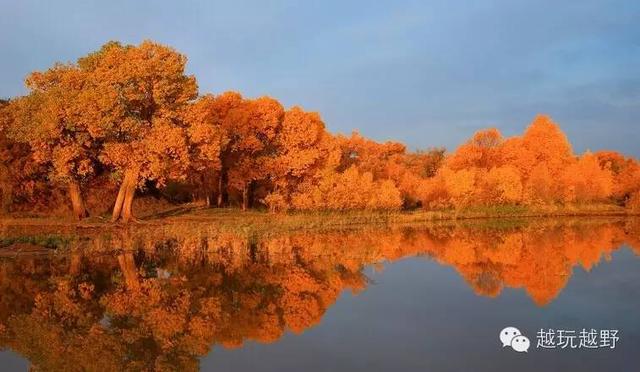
column 159, row 298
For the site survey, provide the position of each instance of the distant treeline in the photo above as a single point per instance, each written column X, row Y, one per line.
column 126, row 119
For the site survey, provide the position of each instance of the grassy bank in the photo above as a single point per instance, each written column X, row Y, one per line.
column 229, row 219
column 234, row 220
column 42, row 235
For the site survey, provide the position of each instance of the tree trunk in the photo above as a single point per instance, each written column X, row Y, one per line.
column 79, row 209
column 246, row 195
column 117, row 207
column 127, row 208
column 222, row 188
column 123, row 206
column 204, row 193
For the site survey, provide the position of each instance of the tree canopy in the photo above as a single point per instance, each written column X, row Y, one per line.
column 128, row 119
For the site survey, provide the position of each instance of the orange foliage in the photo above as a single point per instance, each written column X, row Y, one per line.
column 130, row 114
column 22, row 179
column 303, row 147
column 537, row 168
column 586, row 180
column 481, row 151
column 503, row 185
column 625, row 171
column 351, row 189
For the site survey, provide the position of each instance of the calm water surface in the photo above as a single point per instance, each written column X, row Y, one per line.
column 409, row 299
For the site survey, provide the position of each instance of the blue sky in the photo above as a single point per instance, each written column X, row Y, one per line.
column 426, row 73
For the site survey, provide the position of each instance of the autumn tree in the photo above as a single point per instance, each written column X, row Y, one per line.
column 302, row 150
column 252, row 129
column 483, row 150
column 133, row 98
column 207, row 139
column 50, row 120
column 368, row 155
column 501, row 185
column 211, row 133
column 390, row 161
column 23, row 181
column 409, row 170
column 424, row 163
column 348, row 190
column 538, row 167
column 625, row 172
column 548, row 144
column 541, row 155
column 585, row 181
column 235, row 138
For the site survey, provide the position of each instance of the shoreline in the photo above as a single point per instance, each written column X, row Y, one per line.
column 230, row 219
column 28, row 236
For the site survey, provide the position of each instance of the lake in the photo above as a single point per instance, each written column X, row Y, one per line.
column 431, row 297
